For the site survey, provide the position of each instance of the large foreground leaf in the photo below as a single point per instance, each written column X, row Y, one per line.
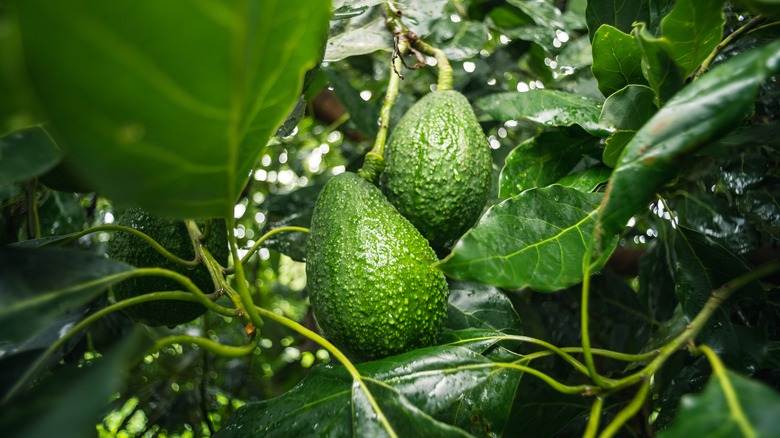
column 694, row 28
column 37, row 285
column 167, row 105
column 729, row 406
column 704, row 111
column 536, row 239
column 420, row 393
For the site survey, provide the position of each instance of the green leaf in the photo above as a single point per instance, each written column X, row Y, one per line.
column 543, row 160
column 587, row 180
column 475, row 305
column 548, row 108
column 621, row 14
column 135, row 118
column 693, row 28
column 543, row 13
column 466, row 41
column 614, row 146
column 617, row 61
column 69, row 404
column 367, row 33
column 629, row 109
column 536, row 239
column 663, row 74
column 707, row 109
column 26, row 154
column 730, row 405
column 38, row 285
column 418, row 391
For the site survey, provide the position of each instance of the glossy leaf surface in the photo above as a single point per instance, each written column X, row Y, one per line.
column 551, row 229
column 420, row 392
column 694, row 28
column 474, row 305
column 543, row 160
column 664, row 75
column 548, row 108
column 730, row 405
column 629, row 109
column 617, row 61
column 587, row 180
column 704, row 111
column 134, row 112
column 38, row 285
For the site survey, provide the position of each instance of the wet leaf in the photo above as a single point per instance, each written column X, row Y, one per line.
column 730, row 405
column 536, row 239
column 705, row 110
column 418, row 391
column 462, row 40
column 36, row 286
column 548, row 108
column 26, row 154
column 617, row 61
column 475, row 305
column 543, row 160
column 134, row 110
column 366, row 32
column 693, row 28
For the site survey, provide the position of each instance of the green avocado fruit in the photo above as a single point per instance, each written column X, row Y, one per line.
column 373, row 287
column 438, row 167
column 173, row 236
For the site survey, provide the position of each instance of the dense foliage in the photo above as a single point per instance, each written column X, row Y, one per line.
column 622, row 279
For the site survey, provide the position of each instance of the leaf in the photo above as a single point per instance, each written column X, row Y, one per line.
column 36, row 286
column 134, row 111
column 587, row 180
column 730, row 405
column 417, row 391
column 614, row 146
column 701, row 266
column 548, row 108
column 467, row 42
column 474, row 305
column 536, row 239
column 707, row 109
column 543, row 160
column 693, row 28
column 617, row 61
column 663, row 74
column 69, row 403
column 543, row 13
column 621, row 14
column 367, row 32
column 628, row 109
column 26, row 154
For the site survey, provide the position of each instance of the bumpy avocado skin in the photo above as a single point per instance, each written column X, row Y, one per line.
column 373, row 289
column 173, row 235
column 438, row 167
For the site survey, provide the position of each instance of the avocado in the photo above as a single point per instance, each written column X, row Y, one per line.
column 173, row 236
column 438, row 167
column 373, row 289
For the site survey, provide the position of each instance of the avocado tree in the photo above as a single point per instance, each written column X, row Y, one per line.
column 574, row 231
